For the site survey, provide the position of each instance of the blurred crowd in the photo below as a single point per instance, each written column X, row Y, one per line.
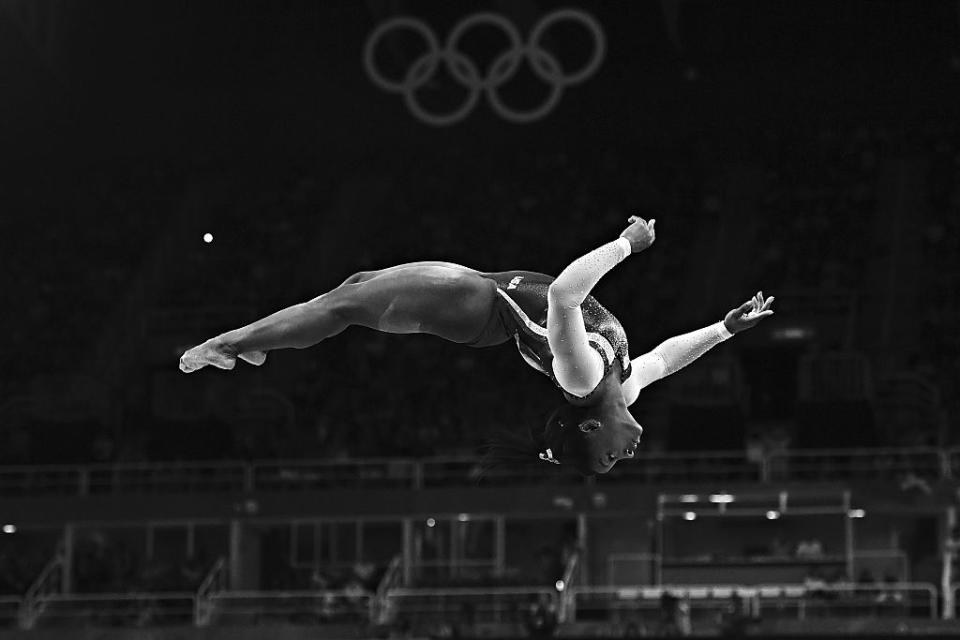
column 146, row 285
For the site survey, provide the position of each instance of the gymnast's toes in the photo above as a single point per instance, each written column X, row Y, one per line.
column 208, row 353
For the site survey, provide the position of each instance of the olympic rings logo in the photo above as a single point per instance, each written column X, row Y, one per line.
column 543, row 63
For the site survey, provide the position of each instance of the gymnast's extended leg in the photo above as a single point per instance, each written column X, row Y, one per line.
column 442, row 299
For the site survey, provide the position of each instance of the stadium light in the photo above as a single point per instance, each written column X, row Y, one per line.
column 9, row 528
column 690, row 516
column 792, row 333
column 463, row 517
column 208, row 238
column 856, row 513
column 689, row 497
column 773, row 515
column 560, row 585
column 721, row 498
column 431, row 522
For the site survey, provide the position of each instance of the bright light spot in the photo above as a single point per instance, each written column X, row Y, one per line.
column 773, row 515
column 689, row 515
column 431, row 522
column 721, row 498
column 856, row 513
column 208, row 238
column 689, row 497
column 792, row 333
column 463, row 517
column 9, row 528
column 560, row 585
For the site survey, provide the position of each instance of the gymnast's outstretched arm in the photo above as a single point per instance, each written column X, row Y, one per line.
column 578, row 366
column 675, row 353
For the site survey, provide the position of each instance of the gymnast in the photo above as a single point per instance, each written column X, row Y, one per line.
column 559, row 329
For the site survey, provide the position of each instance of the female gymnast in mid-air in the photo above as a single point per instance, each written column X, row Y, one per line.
column 560, row 330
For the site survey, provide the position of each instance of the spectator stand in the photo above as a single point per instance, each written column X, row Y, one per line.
column 744, row 552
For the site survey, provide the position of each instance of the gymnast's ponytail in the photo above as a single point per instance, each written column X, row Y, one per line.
column 554, row 446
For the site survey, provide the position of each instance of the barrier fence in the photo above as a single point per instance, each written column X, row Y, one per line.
column 915, row 465
column 647, row 568
column 867, row 464
column 487, row 605
column 504, row 604
column 296, row 607
column 798, row 602
column 117, row 610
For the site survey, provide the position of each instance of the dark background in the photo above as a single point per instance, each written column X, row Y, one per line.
column 806, row 149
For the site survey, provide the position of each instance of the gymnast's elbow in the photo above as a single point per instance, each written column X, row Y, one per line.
column 561, row 297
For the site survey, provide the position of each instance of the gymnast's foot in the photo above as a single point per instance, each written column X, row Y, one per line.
column 212, row 352
column 215, row 352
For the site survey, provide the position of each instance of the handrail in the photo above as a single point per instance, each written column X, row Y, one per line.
column 415, row 473
column 565, row 597
column 494, row 604
column 121, row 596
column 324, row 602
column 122, row 609
column 212, row 584
column 40, row 591
column 249, row 594
column 392, row 576
column 404, row 592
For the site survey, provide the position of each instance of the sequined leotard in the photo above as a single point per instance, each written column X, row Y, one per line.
column 535, row 309
column 520, row 312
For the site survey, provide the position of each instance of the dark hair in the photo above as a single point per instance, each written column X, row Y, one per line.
column 561, row 434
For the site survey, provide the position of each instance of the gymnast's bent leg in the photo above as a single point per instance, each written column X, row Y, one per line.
column 438, row 298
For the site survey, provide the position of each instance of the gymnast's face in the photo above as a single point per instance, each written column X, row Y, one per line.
column 610, row 439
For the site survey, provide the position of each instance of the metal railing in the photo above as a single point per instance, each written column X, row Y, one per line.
column 912, row 600
column 303, row 607
column 118, row 610
column 891, row 464
column 48, row 584
column 500, row 604
column 565, row 595
column 214, row 583
column 485, row 605
column 859, row 464
column 668, row 468
column 392, row 579
column 172, row 477
column 630, row 569
column 300, row 475
column 182, row 477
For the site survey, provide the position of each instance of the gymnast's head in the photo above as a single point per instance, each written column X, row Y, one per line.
column 592, row 439
column 589, row 439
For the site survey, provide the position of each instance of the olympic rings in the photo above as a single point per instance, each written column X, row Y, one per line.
column 504, row 66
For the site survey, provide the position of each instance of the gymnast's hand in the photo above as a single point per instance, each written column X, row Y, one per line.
column 640, row 233
column 749, row 313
